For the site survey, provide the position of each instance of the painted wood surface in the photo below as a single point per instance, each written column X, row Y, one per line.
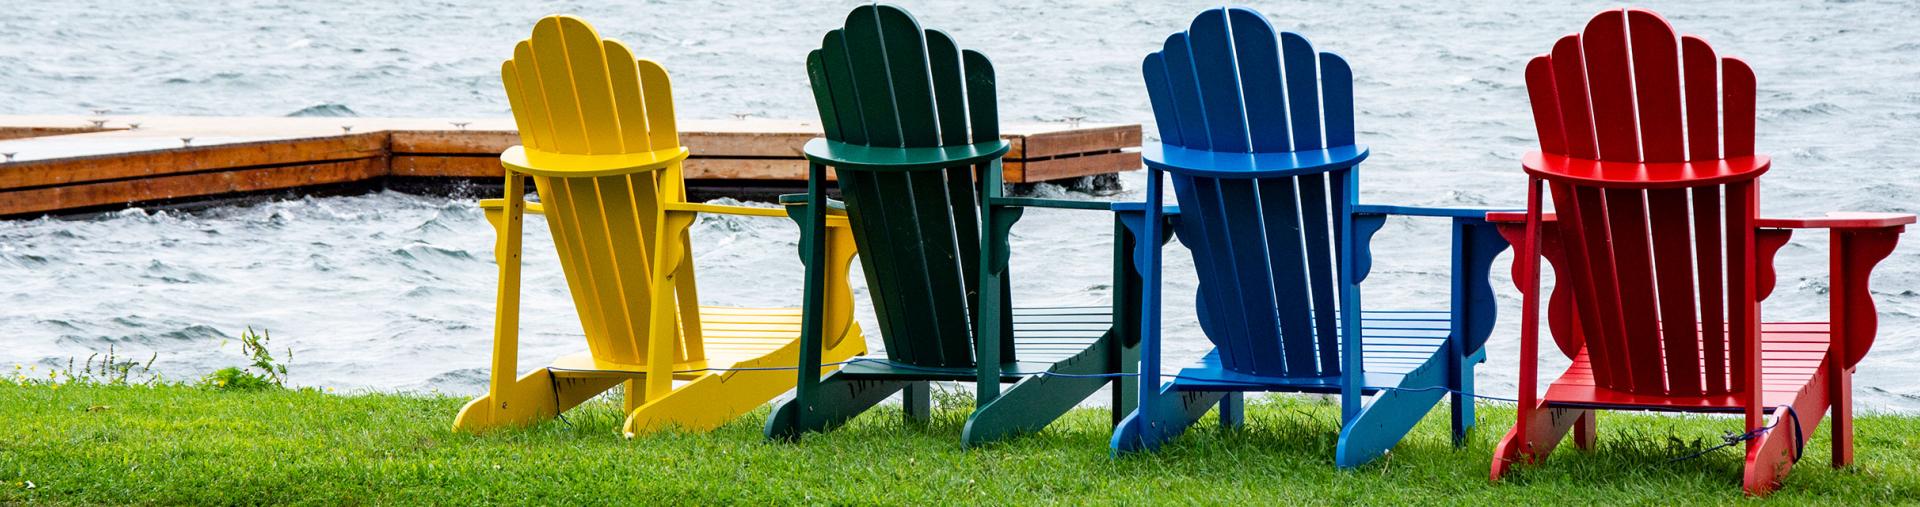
column 910, row 118
column 599, row 140
column 1660, row 258
column 1258, row 142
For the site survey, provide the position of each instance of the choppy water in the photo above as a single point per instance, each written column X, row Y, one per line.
column 391, row 290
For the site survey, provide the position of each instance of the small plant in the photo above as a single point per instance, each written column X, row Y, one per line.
column 110, row 369
column 114, row 369
column 264, row 373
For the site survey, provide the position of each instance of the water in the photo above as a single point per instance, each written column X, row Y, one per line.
column 393, row 291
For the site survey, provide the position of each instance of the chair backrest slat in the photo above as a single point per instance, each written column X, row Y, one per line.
column 1659, row 278
column 575, row 93
column 1264, row 248
column 1303, row 91
column 1317, row 206
column 1258, row 53
column 883, row 81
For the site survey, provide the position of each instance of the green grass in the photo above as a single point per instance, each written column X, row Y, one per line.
column 82, row 444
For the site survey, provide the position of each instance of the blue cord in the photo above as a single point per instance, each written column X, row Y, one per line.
column 1115, row 375
column 1730, row 440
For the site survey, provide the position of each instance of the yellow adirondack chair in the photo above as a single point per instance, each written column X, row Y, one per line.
column 599, row 141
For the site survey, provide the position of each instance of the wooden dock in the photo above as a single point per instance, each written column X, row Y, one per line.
column 75, row 163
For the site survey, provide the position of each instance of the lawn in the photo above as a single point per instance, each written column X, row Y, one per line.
column 82, row 444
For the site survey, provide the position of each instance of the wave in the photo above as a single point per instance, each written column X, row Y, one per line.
column 1814, row 110
column 328, row 110
column 196, row 332
column 429, row 253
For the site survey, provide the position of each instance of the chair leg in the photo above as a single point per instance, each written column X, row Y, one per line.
column 1772, row 455
column 1842, row 425
column 1536, row 431
column 1461, row 401
column 841, row 398
column 1393, row 413
column 1126, row 390
column 1177, row 410
column 1233, row 411
column 916, row 402
column 708, row 402
column 1037, row 401
column 1586, row 431
column 534, row 397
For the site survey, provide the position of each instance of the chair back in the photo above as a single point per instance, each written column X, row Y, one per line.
column 1660, row 285
column 575, row 93
column 883, row 81
column 1265, row 248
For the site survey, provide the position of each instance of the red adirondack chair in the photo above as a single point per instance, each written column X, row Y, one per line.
column 1661, row 261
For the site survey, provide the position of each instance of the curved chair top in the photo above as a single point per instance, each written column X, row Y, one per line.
column 1629, row 93
column 882, row 81
column 585, row 106
column 1231, row 85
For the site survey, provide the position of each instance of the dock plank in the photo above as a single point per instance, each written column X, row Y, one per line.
column 197, row 185
column 69, row 162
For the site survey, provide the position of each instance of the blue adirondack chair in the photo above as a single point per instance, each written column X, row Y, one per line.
column 1263, row 160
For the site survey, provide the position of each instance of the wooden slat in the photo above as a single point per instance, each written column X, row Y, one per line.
column 1213, row 66
column 23, row 132
column 414, row 166
column 1303, row 90
column 1737, row 103
column 67, row 171
column 1609, row 86
column 1245, row 250
column 1040, row 141
column 1702, row 71
column 1237, row 349
column 730, row 138
column 425, row 148
column 1185, row 92
column 1315, row 209
column 1673, row 263
column 1570, row 83
column 1656, row 84
column 1258, row 51
column 124, row 192
column 1587, row 293
column 1195, row 235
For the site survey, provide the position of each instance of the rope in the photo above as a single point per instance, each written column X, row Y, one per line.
column 929, row 369
column 557, row 413
column 1728, row 440
column 1732, row 439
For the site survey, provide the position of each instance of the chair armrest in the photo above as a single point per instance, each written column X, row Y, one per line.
column 722, row 209
column 1141, row 207
column 1839, row 220
column 1475, row 243
column 1859, row 242
column 1034, row 202
column 540, row 163
column 499, row 204
column 1515, row 217
column 1250, row 165
column 1423, row 211
column 801, row 200
column 1833, row 220
column 871, row 158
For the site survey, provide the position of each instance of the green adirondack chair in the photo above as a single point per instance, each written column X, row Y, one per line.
column 910, row 120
